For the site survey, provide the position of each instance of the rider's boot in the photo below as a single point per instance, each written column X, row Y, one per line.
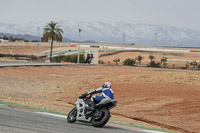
column 91, row 107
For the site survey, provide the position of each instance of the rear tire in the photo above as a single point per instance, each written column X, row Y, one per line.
column 102, row 119
column 71, row 117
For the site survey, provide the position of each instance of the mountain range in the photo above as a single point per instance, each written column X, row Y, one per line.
column 114, row 32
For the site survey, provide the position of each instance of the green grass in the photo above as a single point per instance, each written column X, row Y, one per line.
column 30, row 108
column 153, row 129
column 54, row 112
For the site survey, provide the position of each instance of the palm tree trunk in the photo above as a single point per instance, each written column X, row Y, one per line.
column 51, row 50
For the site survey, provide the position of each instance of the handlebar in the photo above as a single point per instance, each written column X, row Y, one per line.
column 83, row 96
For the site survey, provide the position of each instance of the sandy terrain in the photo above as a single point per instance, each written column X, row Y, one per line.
column 165, row 98
column 175, row 56
column 23, row 50
column 174, row 59
column 151, row 97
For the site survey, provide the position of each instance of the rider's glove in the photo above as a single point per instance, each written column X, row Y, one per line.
column 83, row 95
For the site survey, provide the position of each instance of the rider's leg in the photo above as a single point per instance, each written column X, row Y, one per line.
column 98, row 99
column 92, row 101
column 91, row 104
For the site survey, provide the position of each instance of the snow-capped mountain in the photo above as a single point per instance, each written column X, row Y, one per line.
column 116, row 32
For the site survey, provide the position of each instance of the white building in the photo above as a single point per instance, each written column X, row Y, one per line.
column 2, row 40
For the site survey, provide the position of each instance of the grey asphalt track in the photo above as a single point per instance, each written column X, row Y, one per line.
column 17, row 121
column 16, row 64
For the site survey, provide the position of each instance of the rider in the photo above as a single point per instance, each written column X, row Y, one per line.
column 105, row 92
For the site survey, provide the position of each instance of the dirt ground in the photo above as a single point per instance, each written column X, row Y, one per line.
column 150, row 97
column 162, row 98
column 176, row 59
column 22, row 50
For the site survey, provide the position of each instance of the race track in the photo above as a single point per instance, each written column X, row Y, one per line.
column 18, row 64
column 20, row 121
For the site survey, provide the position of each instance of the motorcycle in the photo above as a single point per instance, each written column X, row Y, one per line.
column 98, row 117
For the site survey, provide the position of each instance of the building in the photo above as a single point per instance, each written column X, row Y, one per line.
column 19, row 40
column 3, row 41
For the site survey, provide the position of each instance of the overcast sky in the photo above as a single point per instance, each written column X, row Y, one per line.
column 178, row 13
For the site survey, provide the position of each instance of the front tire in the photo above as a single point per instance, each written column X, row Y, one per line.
column 100, row 118
column 71, row 117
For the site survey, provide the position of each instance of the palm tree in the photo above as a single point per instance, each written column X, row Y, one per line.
column 187, row 64
column 116, row 60
column 129, row 62
column 163, row 61
column 139, row 58
column 194, row 63
column 151, row 57
column 52, row 32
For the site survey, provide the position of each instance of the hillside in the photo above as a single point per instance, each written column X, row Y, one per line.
column 116, row 32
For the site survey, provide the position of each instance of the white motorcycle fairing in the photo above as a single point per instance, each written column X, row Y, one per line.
column 80, row 105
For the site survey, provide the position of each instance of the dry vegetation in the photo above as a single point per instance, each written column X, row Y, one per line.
column 177, row 58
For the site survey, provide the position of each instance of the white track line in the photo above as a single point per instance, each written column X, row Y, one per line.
column 110, row 124
column 65, row 117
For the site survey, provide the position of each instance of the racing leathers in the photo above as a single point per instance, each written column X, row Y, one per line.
column 105, row 93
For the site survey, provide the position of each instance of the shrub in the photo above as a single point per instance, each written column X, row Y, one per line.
column 194, row 63
column 116, row 60
column 69, row 58
column 139, row 59
column 101, row 62
column 163, row 61
column 198, row 66
column 154, row 64
column 187, row 65
column 151, row 57
column 129, row 62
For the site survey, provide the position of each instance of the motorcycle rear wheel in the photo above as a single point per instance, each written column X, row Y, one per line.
column 71, row 117
column 101, row 119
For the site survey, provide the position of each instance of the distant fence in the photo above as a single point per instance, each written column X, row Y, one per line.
column 117, row 52
column 194, row 50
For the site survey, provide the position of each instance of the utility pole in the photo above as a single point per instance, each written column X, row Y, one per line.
column 155, row 38
column 124, row 35
column 38, row 35
column 79, row 45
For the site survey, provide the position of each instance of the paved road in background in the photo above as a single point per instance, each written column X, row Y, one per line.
column 54, row 54
column 19, row 63
column 18, row 121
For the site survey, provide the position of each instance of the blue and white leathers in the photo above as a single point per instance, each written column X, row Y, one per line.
column 105, row 93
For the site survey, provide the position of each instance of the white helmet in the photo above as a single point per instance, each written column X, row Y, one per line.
column 106, row 85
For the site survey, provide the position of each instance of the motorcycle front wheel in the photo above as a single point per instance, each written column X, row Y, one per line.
column 100, row 118
column 71, row 117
